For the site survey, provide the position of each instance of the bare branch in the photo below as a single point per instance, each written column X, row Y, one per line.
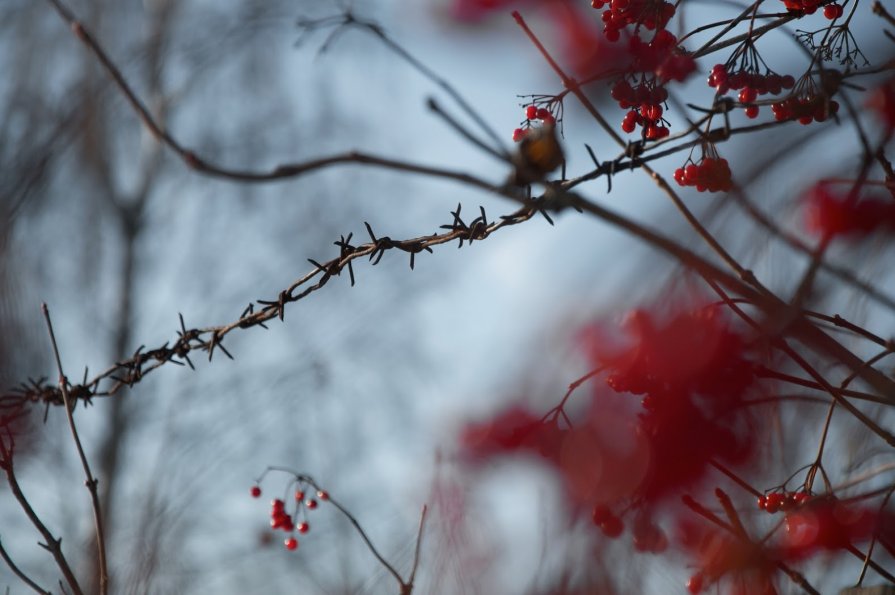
column 91, row 481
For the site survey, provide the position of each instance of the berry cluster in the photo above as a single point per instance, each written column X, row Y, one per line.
column 711, row 173
column 290, row 522
column 689, row 369
column 751, row 85
column 806, row 109
column 647, row 537
column 785, row 501
column 831, row 212
column 653, row 64
column 644, row 105
column 660, row 57
column 533, row 113
column 651, row 14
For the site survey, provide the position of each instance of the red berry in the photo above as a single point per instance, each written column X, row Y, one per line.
column 752, row 112
column 299, row 495
column 800, row 498
column 601, row 514
column 531, row 112
column 311, row 503
column 679, row 176
column 833, row 11
column 774, row 502
column 255, row 491
column 748, row 95
column 323, row 495
column 291, row 544
column 543, row 114
column 610, row 524
column 518, row 135
column 612, row 527
column 694, row 585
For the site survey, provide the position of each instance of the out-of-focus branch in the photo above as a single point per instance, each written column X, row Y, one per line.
column 51, row 544
column 348, row 19
column 19, row 573
column 281, row 172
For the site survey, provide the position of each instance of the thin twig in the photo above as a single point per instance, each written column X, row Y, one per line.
column 52, row 545
column 91, row 481
column 19, row 573
column 406, row 587
column 416, row 551
column 280, row 172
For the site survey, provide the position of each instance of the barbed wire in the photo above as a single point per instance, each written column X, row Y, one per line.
column 130, row 371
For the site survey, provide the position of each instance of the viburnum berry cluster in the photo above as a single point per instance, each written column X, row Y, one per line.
column 619, row 14
column 644, row 105
column 292, row 517
column 751, row 85
column 711, row 173
column 641, row 88
column 806, row 109
column 834, row 209
column 539, row 112
column 690, row 373
column 652, row 62
column 774, row 502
